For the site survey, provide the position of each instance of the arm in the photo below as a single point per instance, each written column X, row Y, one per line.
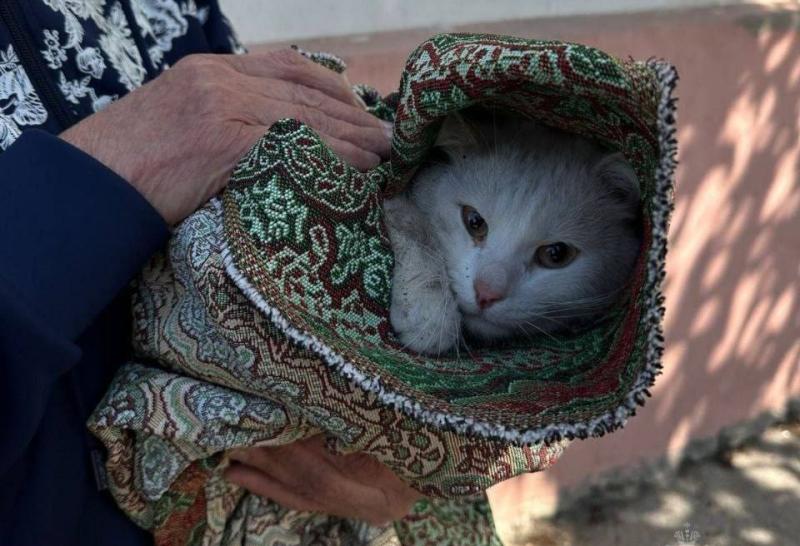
column 74, row 230
column 305, row 476
column 73, row 235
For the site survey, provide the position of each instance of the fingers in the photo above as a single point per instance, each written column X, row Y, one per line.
column 284, row 84
column 357, row 157
column 369, row 131
column 358, row 146
column 304, row 476
column 295, row 477
column 369, row 139
column 289, row 65
column 263, row 484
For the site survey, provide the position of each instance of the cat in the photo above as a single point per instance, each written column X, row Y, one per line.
column 510, row 229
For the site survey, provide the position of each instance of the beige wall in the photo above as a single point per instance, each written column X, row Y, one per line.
column 272, row 20
column 733, row 296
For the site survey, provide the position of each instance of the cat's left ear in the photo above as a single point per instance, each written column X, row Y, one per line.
column 457, row 135
column 616, row 174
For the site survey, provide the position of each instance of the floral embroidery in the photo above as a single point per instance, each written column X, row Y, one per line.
column 115, row 41
column 19, row 103
column 81, row 59
column 91, row 62
column 164, row 21
column 54, row 54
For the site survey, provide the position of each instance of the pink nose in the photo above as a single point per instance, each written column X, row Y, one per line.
column 485, row 295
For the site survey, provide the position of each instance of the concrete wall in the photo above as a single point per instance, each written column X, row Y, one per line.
column 277, row 20
column 733, row 284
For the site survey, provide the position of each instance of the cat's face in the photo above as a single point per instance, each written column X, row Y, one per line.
column 538, row 229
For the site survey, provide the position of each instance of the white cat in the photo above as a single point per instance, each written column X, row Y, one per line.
column 512, row 228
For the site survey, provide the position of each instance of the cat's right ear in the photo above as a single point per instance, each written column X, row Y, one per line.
column 620, row 179
column 456, row 136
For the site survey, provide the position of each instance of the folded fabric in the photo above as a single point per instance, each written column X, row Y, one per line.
column 267, row 320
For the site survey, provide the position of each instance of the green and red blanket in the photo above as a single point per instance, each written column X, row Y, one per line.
column 267, row 319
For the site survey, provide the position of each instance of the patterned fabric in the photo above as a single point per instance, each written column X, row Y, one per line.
column 20, row 105
column 70, row 45
column 96, row 51
column 305, row 241
column 268, row 319
column 162, row 22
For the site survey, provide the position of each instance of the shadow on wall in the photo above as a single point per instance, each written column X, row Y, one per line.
column 732, row 289
column 733, row 295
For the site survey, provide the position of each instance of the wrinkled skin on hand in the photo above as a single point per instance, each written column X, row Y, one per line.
column 176, row 140
column 178, row 137
column 306, row 476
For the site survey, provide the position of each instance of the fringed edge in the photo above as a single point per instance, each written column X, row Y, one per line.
column 662, row 208
column 334, row 62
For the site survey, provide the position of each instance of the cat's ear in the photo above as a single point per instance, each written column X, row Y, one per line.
column 456, row 136
column 617, row 175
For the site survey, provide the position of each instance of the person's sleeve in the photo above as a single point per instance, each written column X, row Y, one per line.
column 72, row 236
column 219, row 31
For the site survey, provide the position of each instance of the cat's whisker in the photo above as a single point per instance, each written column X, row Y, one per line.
column 443, row 324
column 466, row 345
column 552, row 319
column 599, row 297
column 576, row 307
column 584, row 313
column 462, row 343
column 541, row 330
column 459, row 339
column 436, row 256
column 593, row 308
column 455, row 346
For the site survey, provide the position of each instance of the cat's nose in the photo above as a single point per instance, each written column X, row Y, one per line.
column 485, row 295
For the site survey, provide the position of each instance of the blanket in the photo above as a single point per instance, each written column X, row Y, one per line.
column 266, row 320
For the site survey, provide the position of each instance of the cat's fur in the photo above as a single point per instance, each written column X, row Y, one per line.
column 533, row 186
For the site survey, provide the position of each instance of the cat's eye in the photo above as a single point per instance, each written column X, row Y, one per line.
column 474, row 222
column 555, row 255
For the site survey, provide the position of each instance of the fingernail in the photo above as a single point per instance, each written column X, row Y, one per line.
column 375, row 161
column 388, row 129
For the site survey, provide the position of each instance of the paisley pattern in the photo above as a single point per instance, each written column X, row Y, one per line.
column 268, row 319
column 163, row 426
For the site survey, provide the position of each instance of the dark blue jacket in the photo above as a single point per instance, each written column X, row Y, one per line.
column 72, row 236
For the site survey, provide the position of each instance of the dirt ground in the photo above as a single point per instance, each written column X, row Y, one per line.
column 749, row 496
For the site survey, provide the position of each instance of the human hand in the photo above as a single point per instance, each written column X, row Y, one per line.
column 177, row 138
column 305, row 476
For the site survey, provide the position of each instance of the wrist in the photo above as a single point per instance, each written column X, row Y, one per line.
column 93, row 142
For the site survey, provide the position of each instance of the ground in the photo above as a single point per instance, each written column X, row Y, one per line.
column 748, row 496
